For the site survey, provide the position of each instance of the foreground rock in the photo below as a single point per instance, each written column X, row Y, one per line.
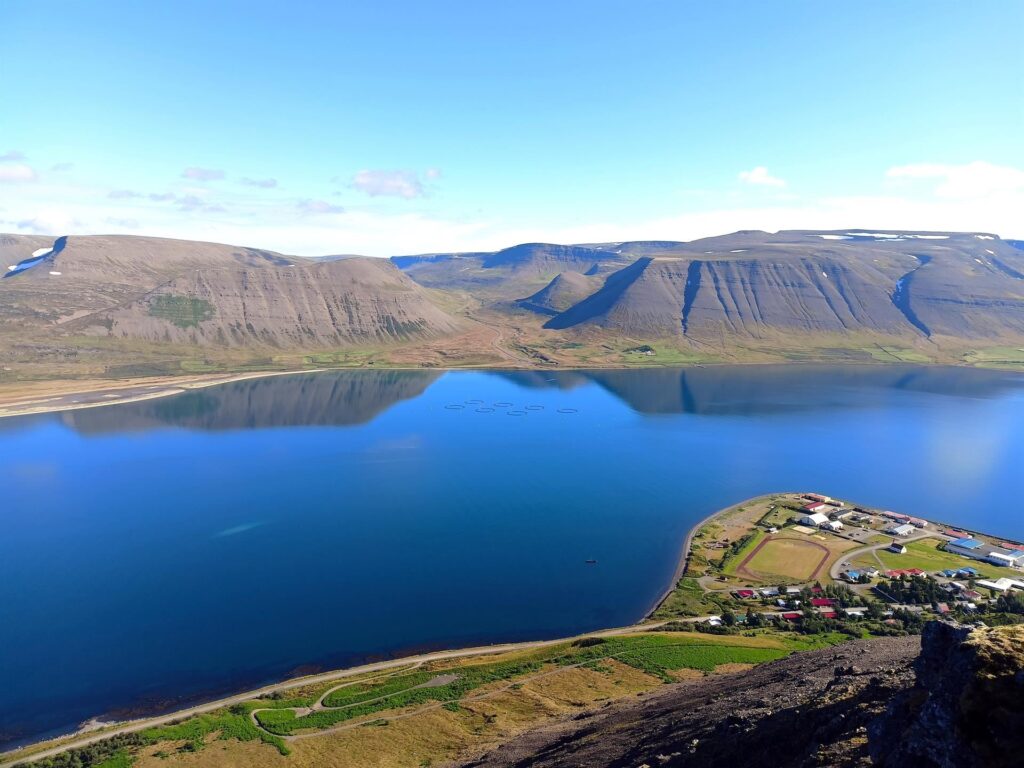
column 807, row 710
column 959, row 703
column 966, row 708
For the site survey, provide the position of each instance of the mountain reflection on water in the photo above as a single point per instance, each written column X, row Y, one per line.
column 343, row 398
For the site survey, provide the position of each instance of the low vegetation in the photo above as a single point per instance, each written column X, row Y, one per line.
column 182, row 311
column 466, row 690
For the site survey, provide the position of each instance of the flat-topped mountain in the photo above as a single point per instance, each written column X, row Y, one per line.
column 753, row 285
column 182, row 292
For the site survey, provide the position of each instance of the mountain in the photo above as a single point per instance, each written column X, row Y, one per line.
column 301, row 305
column 564, row 290
column 207, row 294
column 508, row 274
column 751, row 286
column 119, row 305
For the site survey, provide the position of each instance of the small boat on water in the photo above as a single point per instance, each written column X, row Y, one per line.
column 591, row 562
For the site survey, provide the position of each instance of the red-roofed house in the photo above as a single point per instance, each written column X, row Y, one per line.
column 745, row 594
column 815, row 507
column 818, row 602
column 792, row 616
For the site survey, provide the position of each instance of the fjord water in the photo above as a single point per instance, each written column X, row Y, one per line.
column 159, row 552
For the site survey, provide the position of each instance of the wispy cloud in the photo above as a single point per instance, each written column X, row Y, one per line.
column 61, row 167
column 202, row 174
column 261, row 183
column 17, row 172
column 958, row 182
column 123, row 223
column 379, row 183
column 11, row 156
column 318, row 206
column 161, row 197
column 123, row 194
column 760, row 177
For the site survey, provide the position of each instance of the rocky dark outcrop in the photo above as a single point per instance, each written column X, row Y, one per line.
column 811, row 709
column 951, row 699
column 966, row 709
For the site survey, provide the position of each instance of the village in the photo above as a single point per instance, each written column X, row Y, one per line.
column 809, row 560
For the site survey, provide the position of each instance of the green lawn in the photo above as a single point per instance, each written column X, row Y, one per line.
column 925, row 555
column 733, row 561
column 687, row 599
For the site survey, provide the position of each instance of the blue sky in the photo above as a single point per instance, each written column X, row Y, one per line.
column 400, row 127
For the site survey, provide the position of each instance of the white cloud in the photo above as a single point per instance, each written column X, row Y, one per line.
column 122, row 223
column 261, row 183
column 315, row 226
column 202, row 174
column 432, row 173
column 959, row 182
column 17, row 172
column 761, row 177
column 404, row 184
column 123, row 194
column 48, row 221
column 11, row 155
column 318, row 206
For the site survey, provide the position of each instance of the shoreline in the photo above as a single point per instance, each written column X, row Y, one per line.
column 683, row 559
column 96, row 729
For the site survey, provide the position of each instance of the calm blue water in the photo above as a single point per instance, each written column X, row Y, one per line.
column 159, row 552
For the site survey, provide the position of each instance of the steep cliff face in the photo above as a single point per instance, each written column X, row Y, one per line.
column 749, row 286
column 966, row 708
column 351, row 301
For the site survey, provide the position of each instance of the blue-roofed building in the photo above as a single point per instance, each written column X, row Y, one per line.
column 969, row 547
column 966, row 543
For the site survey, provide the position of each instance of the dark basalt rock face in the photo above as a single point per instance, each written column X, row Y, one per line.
column 810, row 709
column 951, row 699
column 966, row 709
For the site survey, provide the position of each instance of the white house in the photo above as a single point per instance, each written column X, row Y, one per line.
column 900, row 530
column 1001, row 585
column 815, row 518
column 998, row 558
column 832, row 525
